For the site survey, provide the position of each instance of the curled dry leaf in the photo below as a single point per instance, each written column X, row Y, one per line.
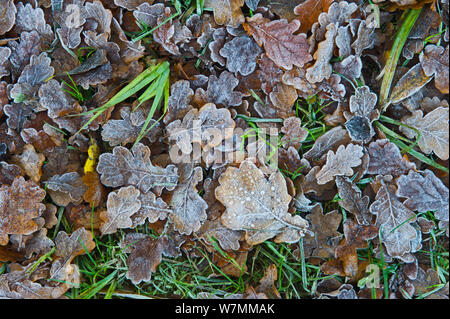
column 20, row 204
column 148, row 14
column 424, row 192
column 340, row 163
column 121, row 205
column 122, row 167
column 322, row 69
column 433, row 129
column 281, row 45
column 257, row 205
column 189, row 209
column 410, row 83
column 227, row 12
column 131, row 4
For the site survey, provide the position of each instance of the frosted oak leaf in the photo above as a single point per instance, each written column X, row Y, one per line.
column 122, row 167
column 258, row 205
column 340, row 163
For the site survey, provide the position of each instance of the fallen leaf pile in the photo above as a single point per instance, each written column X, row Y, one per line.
column 352, row 167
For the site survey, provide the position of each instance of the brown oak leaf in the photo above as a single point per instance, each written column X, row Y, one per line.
column 68, row 247
column 241, row 54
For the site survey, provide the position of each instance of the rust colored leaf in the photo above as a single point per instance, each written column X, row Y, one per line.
column 95, row 193
column 281, row 45
column 308, row 12
column 258, row 205
column 267, row 283
column 325, row 235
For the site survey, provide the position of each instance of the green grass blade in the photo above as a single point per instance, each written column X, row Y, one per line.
column 394, row 55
